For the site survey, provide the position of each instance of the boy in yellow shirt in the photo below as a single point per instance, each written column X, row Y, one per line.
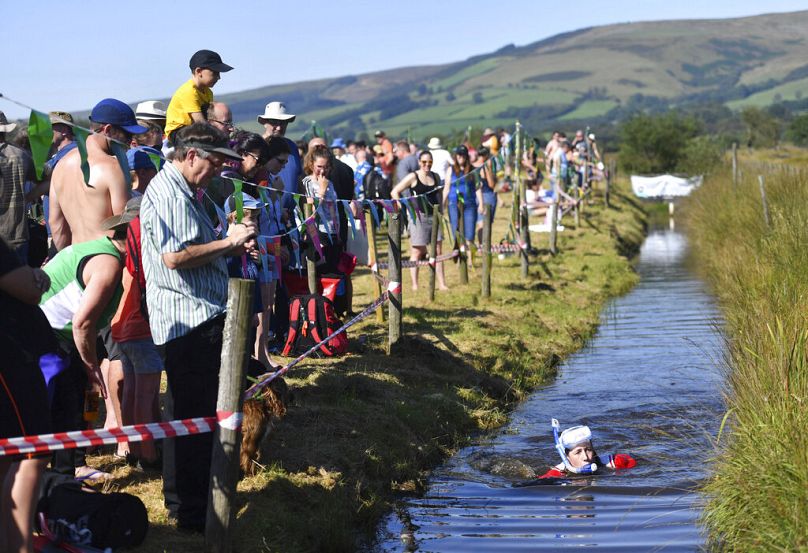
column 190, row 101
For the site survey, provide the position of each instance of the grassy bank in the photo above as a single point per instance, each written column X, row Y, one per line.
column 759, row 491
column 368, row 426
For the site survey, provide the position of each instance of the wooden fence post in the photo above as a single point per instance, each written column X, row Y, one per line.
column 734, row 165
column 224, row 466
column 311, row 267
column 373, row 259
column 609, row 177
column 394, row 276
column 461, row 238
column 524, row 222
column 433, row 249
column 765, row 203
column 554, row 219
column 487, row 252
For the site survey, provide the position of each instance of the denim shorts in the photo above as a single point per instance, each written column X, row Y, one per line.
column 140, row 357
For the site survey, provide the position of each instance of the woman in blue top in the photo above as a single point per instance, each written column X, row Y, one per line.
column 459, row 182
column 487, row 178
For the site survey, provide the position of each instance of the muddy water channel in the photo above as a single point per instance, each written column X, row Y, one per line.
column 647, row 384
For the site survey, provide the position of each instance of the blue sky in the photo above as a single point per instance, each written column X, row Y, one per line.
column 134, row 51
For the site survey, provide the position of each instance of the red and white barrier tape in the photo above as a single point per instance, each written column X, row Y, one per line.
column 105, row 436
column 405, row 263
column 502, row 248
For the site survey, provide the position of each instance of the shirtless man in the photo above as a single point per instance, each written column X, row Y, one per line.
column 78, row 208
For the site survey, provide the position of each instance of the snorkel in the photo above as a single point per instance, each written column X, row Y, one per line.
column 586, row 469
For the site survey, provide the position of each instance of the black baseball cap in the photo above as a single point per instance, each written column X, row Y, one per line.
column 208, row 59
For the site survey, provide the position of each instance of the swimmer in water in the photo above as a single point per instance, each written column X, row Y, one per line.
column 578, row 455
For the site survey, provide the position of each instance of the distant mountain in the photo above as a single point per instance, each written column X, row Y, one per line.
column 576, row 76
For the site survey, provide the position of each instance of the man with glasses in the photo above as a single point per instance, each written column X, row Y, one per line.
column 186, row 293
column 275, row 119
column 219, row 116
column 77, row 207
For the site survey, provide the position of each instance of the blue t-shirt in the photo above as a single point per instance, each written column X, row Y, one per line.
column 291, row 174
column 235, row 269
column 359, row 177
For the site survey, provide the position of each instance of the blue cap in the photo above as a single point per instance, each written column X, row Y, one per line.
column 249, row 203
column 338, row 143
column 115, row 112
column 138, row 158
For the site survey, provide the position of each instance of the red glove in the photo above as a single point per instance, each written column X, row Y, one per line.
column 552, row 473
column 623, row 461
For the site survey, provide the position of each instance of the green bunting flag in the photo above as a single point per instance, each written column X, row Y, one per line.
column 81, row 144
column 239, row 199
column 156, row 159
column 40, row 136
column 119, row 151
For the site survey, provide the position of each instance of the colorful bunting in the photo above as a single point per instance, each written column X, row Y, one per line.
column 40, row 137
column 239, row 199
column 156, row 160
column 119, row 151
column 81, row 144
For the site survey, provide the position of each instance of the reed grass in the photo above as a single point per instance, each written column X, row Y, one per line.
column 758, row 494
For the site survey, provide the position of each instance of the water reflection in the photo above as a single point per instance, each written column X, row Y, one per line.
column 647, row 384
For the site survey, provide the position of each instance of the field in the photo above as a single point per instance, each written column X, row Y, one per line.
column 747, row 61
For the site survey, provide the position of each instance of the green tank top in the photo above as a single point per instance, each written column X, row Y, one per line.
column 62, row 300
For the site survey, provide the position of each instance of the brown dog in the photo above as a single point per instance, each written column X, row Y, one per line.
column 260, row 415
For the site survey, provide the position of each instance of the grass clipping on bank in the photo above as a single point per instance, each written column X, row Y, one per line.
column 367, row 426
column 758, row 494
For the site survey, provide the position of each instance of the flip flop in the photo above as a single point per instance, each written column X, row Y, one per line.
column 91, row 475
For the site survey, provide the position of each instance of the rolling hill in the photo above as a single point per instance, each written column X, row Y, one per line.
column 576, row 76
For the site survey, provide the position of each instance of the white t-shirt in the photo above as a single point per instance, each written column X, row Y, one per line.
column 348, row 160
column 441, row 160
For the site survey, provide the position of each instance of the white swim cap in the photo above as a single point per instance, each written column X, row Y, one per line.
column 575, row 435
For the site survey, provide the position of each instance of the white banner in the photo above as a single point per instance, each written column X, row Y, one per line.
column 664, row 186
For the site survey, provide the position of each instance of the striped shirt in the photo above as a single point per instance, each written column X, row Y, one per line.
column 171, row 218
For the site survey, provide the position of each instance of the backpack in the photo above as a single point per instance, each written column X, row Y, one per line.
column 311, row 319
column 77, row 514
column 376, row 186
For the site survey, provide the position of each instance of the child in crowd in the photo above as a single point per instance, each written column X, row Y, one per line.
column 248, row 267
column 190, row 101
column 578, row 454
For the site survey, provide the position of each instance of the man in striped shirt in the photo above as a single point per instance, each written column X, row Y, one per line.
column 186, row 294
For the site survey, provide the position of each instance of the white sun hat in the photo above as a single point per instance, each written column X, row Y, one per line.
column 434, row 143
column 276, row 111
column 150, row 110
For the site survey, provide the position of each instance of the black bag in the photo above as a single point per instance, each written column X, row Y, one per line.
column 78, row 514
column 376, row 186
column 311, row 320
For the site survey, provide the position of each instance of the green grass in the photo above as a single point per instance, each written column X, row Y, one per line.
column 591, row 108
column 788, row 91
column 368, row 426
column 758, row 494
column 466, row 73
